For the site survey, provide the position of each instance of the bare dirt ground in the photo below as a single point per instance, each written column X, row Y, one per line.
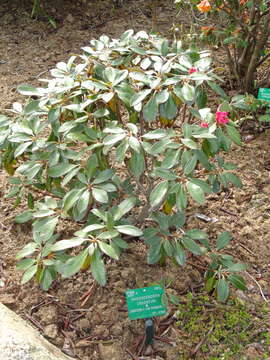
column 81, row 318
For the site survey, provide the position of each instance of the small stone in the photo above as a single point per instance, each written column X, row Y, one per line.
column 47, row 314
column 7, row 299
column 70, row 18
column 51, row 331
column 149, row 350
column 83, row 324
column 116, row 330
column 120, row 286
column 112, row 351
column 101, row 306
column 126, row 273
column 100, row 331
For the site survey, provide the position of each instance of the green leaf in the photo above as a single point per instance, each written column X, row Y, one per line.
column 222, row 290
column 223, row 240
column 113, row 139
column 25, row 264
column 46, row 278
column 27, row 250
column 139, row 97
column 177, row 220
column 201, row 98
column 30, row 201
column 24, row 217
column 164, row 174
column 29, row 273
column 203, row 185
column 234, row 134
column 154, row 253
column 210, row 284
column 181, row 198
column 137, row 164
column 21, row 148
column 67, row 244
column 188, row 93
column 197, row 234
column 237, row 281
column 134, row 144
column 98, row 268
column 129, row 230
column 203, row 159
column 265, row 118
column 100, row 195
column 171, row 158
column 60, row 169
column 14, row 191
column 45, row 227
column 191, row 245
column 162, row 96
column 230, row 177
column 164, row 47
column 28, row 90
column 158, row 194
column 120, row 243
column 31, row 173
column 196, row 192
column 82, row 205
column 124, row 207
column 156, row 134
column 101, row 113
column 103, row 176
column 217, row 89
column 89, row 228
column 43, row 213
column 14, row 181
column 180, row 255
column 237, row 267
column 73, row 265
column 150, row 110
column 108, row 250
column 168, row 110
column 189, row 143
column 190, row 165
column 159, row 146
column 108, row 235
column 121, row 151
column 70, row 199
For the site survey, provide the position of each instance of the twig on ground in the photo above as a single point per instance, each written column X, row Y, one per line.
column 130, row 354
column 198, row 346
column 227, row 212
column 87, row 295
column 259, row 286
column 165, row 340
column 34, row 321
column 247, row 249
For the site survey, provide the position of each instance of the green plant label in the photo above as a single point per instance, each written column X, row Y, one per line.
column 264, row 94
column 145, row 302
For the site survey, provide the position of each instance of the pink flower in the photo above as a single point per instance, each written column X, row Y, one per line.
column 204, row 125
column 192, row 70
column 221, row 117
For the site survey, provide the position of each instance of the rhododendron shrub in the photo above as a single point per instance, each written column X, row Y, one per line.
column 241, row 27
column 119, row 143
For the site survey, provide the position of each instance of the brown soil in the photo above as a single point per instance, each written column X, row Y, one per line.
column 83, row 319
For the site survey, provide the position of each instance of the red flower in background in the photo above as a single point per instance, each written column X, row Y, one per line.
column 221, row 117
column 192, row 70
column 204, row 125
